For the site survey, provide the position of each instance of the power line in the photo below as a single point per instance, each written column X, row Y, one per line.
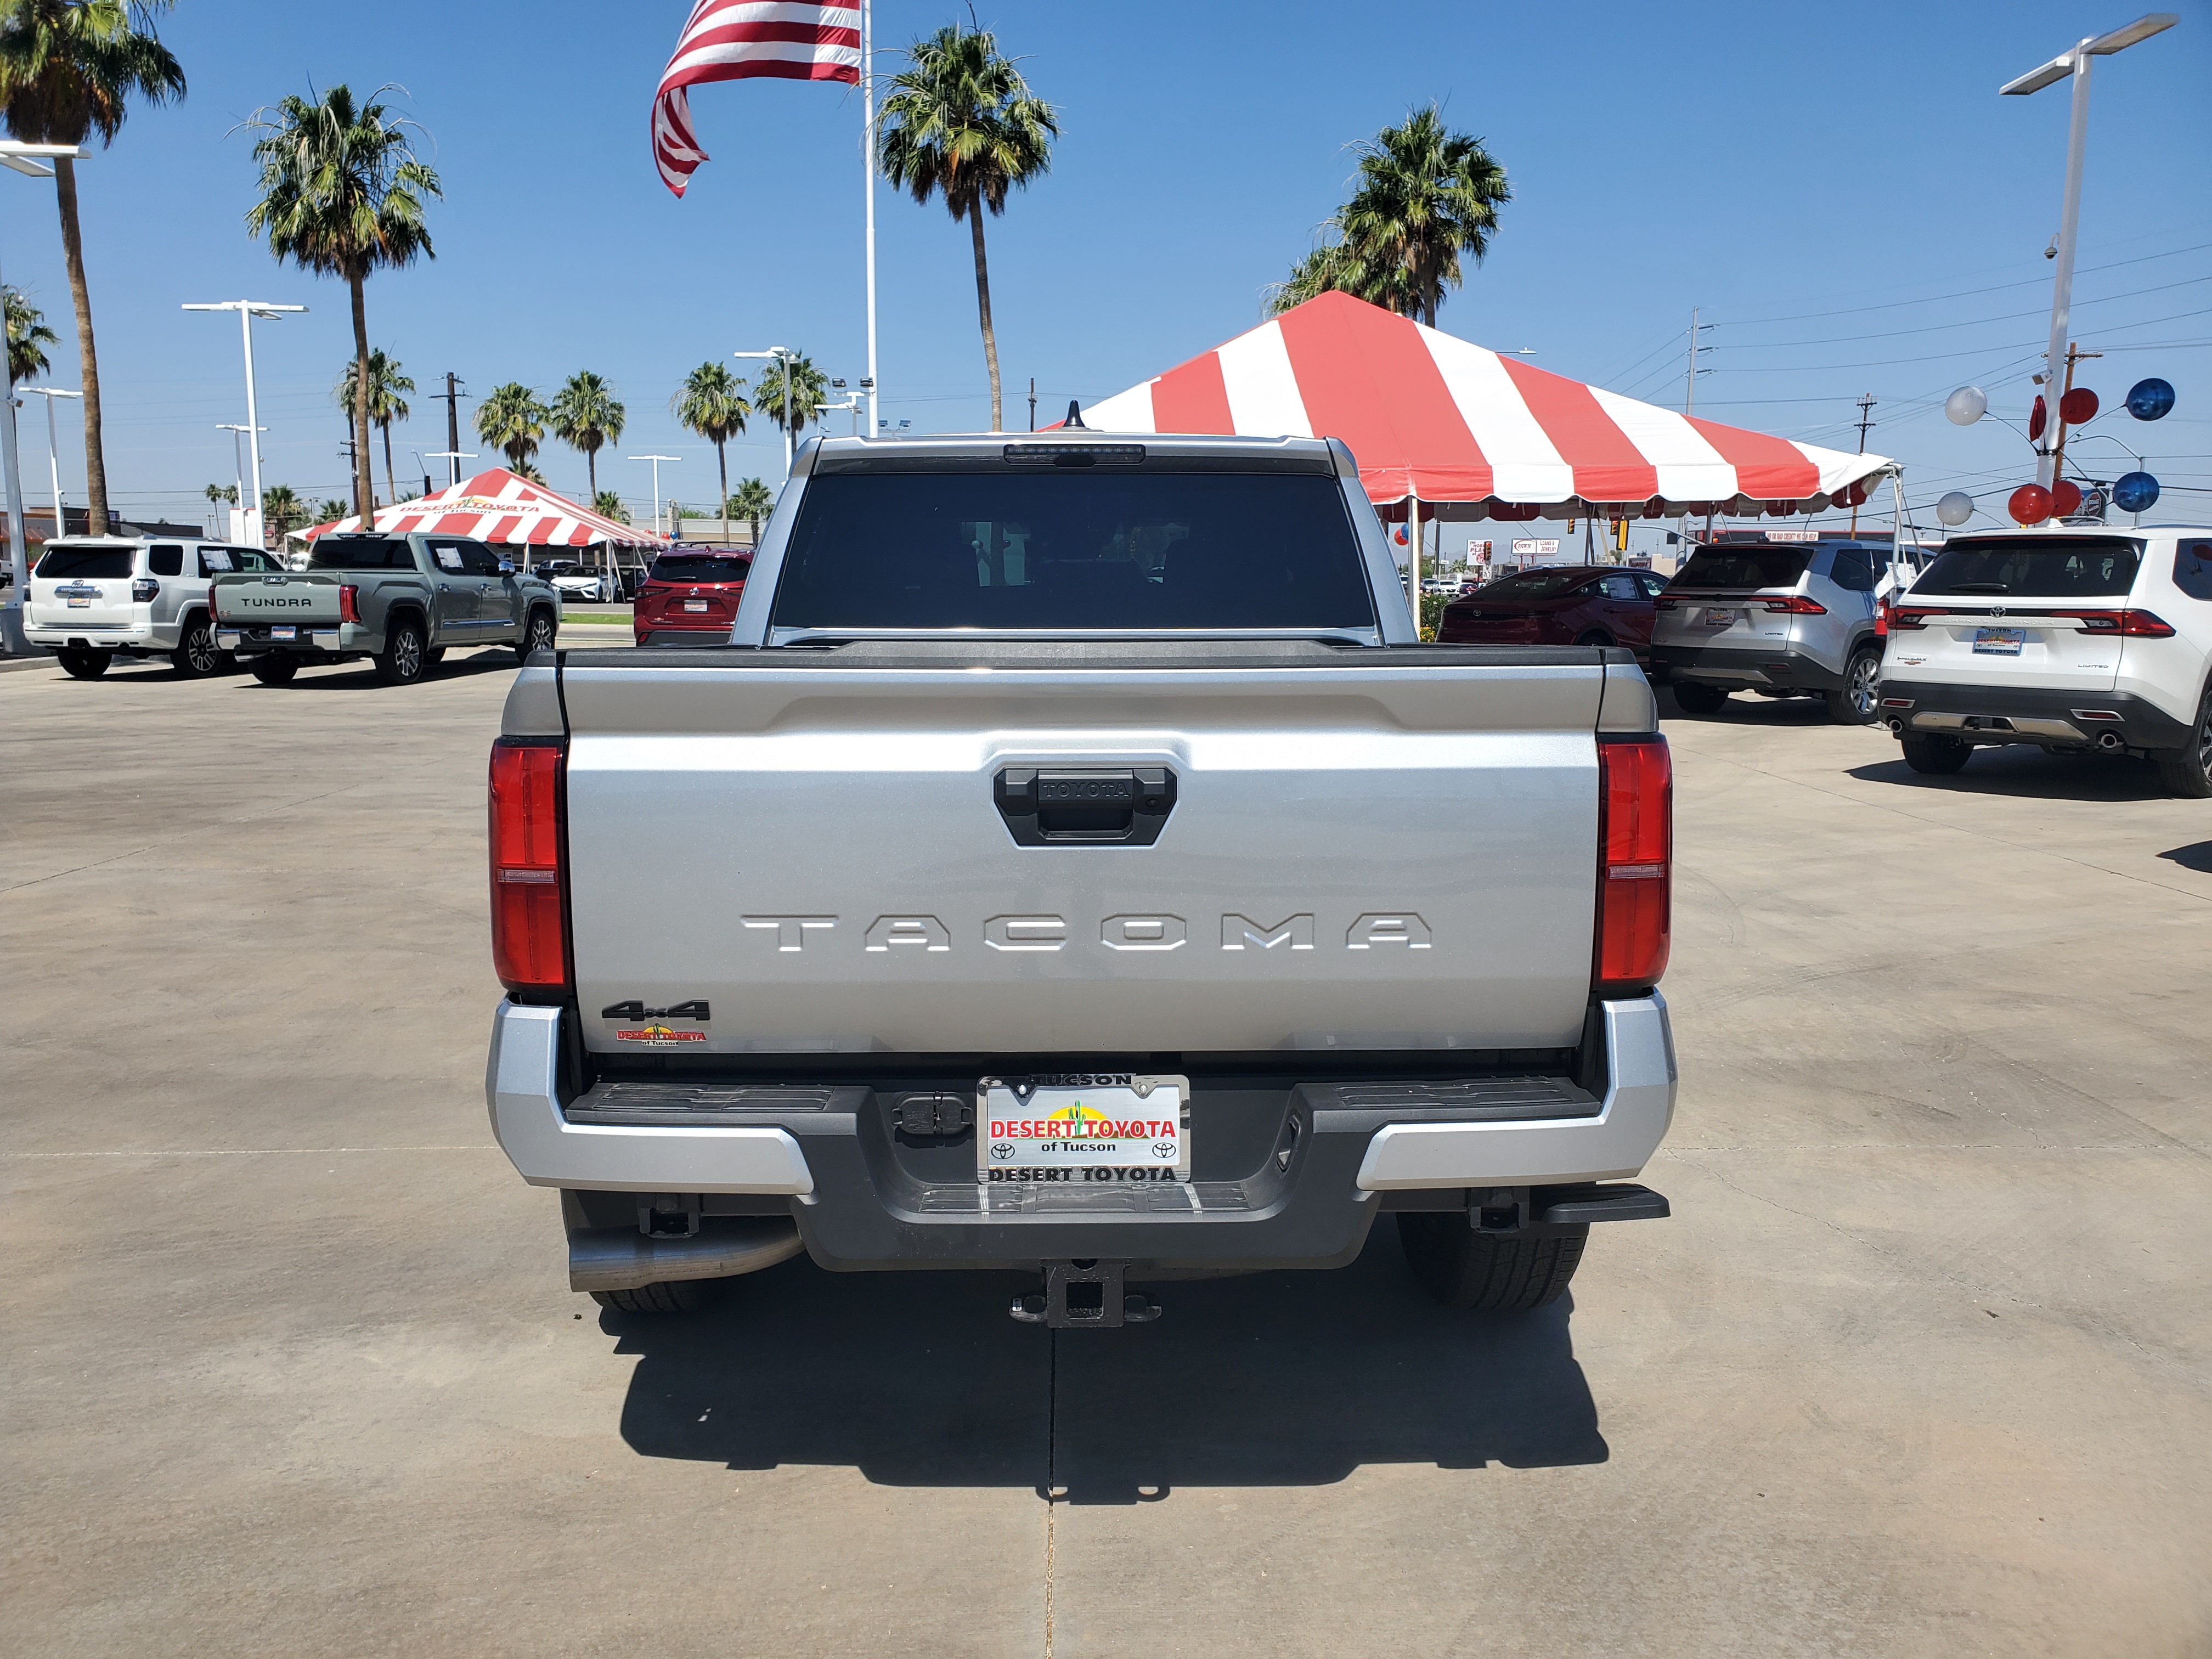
column 1969, row 293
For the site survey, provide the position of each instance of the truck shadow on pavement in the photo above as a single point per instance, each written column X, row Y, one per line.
column 1270, row 1380
column 354, row 676
column 2029, row 774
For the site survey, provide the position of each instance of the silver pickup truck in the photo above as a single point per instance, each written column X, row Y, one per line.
column 401, row 601
column 1073, row 864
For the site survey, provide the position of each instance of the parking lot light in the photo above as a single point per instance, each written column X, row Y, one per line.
column 20, row 158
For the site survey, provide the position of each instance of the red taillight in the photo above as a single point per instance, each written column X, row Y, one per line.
column 1636, row 816
column 1905, row 622
column 1798, row 605
column 529, row 931
column 2129, row 624
column 348, row 602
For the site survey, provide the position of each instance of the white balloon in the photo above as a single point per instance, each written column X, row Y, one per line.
column 1967, row 405
column 1958, row 506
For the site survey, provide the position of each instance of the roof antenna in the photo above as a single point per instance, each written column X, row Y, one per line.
column 1074, row 421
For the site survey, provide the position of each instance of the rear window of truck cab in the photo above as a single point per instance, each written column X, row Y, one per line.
column 361, row 553
column 63, row 562
column 698, row 567
column 1075, row 549
column 1744, row 568
column 2039, row 566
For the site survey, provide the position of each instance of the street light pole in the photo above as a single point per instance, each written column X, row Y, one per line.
column 2072, row 63
column 238, row 523
column 53, row 447
column 247, row 310
column 786, row 356
column 13, row 640
column 656, row 461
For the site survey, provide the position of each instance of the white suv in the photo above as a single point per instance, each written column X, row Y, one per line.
column 2072, row 638
column 93, row 596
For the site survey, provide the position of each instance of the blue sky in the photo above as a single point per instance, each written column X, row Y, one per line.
column 1815, row 177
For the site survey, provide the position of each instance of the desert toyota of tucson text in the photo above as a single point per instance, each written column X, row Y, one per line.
column 1099, row 913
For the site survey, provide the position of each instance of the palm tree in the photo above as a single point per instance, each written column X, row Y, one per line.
column 280, row 510
column 961, row 125
column 1425, row 195
column 712, row 403
column 609, row 505
column 809, row 390
column 332, row 510
column 68, row 70
column 527, row 472
column 511, row 417
column 342, row 194
column 387, row 401
column 586, row 416
column 225, row 493
column 753, row 502
column 28, row 337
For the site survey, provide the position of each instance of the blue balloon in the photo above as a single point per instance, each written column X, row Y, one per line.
column 2135, row 492
column 2149, row 400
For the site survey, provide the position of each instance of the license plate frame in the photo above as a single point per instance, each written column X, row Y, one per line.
column 79, row 605
column 1999, row 641
column 1014, row 1146
column 695, row 607
column 286, row 631
column 1718, row 617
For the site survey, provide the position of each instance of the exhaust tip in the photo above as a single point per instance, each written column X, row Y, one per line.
column 2111, row 740
column 1896, row 727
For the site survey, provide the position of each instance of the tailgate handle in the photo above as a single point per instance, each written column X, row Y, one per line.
column 1086, row 806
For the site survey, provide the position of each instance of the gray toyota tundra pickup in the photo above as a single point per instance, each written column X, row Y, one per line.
column 401, row 601
column 1074, row 865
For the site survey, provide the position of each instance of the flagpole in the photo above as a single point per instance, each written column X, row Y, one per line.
column 868, row 175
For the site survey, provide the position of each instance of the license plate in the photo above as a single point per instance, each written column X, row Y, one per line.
column 283, row 633
column 1999, row 641
column 79, row 605
column 1103, row 1127
column 1713, row 618
column 695, row 605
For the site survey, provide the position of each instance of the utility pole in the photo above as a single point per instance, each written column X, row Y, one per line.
column 1690, row 380
column 451, row 396
column 1032, row 403
column 2073, row 354
column 1866, row 420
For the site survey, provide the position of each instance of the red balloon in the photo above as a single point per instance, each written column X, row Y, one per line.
column 2030, row 503
column 2035, row 419
column 2078, row 405
column 2065, row 499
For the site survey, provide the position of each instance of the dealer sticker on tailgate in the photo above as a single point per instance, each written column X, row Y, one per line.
column 1090, row 1126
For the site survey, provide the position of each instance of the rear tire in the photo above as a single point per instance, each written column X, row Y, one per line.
column 1695, row 697
column 274, row 669
column 1855, row 702
column 2188, row 772
column 405, row 656
column 1594, row 636
column 674, row 1296
column 1937, row 757
column 195, row 657
column 1483, row 1273
column 536, row 634
column 85, row 665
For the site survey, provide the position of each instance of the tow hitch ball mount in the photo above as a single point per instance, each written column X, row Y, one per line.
column 1084, row 1295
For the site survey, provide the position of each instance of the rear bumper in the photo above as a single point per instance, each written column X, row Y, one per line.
column 2001, row 714
column 249, row 642
column 1776, row 667
column 60, row 636
column 863, row 1199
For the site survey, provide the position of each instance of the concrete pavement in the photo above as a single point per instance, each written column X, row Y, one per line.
column 1919, row 1367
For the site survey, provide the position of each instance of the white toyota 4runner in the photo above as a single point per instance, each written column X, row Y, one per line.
column 2071, row 638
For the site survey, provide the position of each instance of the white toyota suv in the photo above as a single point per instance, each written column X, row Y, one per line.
column 94, row 597
column 2071, row 638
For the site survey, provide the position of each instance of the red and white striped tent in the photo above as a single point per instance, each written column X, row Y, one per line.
column 502, row 510
column 1431, row 418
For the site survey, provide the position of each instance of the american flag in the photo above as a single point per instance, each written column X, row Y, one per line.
column 734, row 39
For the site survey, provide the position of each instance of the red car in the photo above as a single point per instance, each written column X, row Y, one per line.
column 1557, row 604
column 691, row 592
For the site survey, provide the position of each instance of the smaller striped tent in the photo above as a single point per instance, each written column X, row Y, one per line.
column 501, row 510
column 1435, row 419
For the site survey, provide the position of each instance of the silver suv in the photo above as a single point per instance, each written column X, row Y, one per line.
column 1783, row 618
column 95, row 597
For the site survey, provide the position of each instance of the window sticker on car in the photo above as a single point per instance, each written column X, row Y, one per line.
column 449, row 558
column 213, row 559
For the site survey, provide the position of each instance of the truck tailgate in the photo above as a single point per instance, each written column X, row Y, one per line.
column 1359, row 854
column 297, row 597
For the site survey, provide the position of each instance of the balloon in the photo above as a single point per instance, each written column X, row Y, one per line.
column 2135, row 492
column 2149, row 400
column 2030, row 503
column 1956, row 508
column 2065, row 499
column 1965, row 405
column 2036, row 417
column 2078, row 405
